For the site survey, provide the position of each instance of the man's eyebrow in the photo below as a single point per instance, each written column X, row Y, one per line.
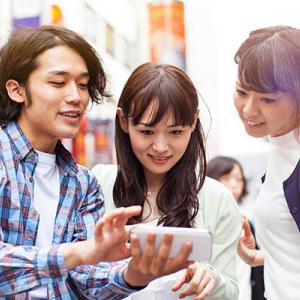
column 61, row 72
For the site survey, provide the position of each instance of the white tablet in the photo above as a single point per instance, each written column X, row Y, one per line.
column 200, row 238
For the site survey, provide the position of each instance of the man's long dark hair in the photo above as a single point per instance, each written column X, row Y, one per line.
column 19, row 58
column 177, row 199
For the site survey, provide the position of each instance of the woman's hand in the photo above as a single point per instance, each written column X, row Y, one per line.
column 246, row 248
column 201, row 280
column 147, row 265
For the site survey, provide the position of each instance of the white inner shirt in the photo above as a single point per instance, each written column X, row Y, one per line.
column 276, row 229
column 46, row 198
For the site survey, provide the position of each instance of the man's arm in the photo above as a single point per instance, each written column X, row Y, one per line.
column 25, row 267
column 107, row 280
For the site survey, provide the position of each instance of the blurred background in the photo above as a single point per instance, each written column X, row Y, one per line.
column 199, row 36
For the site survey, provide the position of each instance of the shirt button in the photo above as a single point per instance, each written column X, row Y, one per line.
column 31, row 179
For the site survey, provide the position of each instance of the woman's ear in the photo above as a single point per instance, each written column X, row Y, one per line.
column 196, row 117
column 122, row 119
column 15, row 91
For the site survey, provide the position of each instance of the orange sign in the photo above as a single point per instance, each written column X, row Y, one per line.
column 167, row 34
column 57, row 15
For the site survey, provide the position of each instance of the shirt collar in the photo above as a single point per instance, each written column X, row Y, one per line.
column 65, row 160
column 19, row 140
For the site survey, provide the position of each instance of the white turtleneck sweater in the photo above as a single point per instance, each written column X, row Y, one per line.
column 276, row 229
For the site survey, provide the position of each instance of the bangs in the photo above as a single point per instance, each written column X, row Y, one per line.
column 267, row 68
column 167, row 97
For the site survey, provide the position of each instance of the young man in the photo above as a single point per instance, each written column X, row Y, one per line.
column 47, row 201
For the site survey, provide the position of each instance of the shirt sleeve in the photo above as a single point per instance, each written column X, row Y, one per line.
column 25, row 267
column 105, row 280
column 226, row 235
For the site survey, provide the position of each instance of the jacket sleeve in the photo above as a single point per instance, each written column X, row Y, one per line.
column 226, row 228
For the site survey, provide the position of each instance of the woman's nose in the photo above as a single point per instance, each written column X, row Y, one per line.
column 160, row 146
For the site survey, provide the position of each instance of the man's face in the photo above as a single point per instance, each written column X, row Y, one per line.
column 59, row 96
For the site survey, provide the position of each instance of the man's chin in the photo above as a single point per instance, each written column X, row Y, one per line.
column 69, row 135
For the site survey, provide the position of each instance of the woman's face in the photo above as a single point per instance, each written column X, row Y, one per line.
column 265, row 114
column 234, row 181
column 158, row 147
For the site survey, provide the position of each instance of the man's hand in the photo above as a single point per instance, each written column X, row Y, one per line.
column 109, row 242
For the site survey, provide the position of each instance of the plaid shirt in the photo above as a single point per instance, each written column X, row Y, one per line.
column 22, row 265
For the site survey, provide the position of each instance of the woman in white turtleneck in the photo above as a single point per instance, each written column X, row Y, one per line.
column 267, row 98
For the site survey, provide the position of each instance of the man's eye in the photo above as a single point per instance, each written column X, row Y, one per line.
column 83, row 86
column 57, row 83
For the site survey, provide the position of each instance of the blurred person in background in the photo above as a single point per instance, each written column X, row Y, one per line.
column 267, row 99
column 162, row 167
column 229, row 171
column 54, row 238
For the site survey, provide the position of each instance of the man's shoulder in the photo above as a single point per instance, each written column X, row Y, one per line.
column 6, row 148
column 3, row 136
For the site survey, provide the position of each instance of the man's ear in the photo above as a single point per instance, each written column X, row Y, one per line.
column 196, row 117
column 15, row 91
column 122, row 120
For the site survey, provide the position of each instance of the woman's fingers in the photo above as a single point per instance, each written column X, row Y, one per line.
column 162, row 255
column 193, row 285
column 206, row 290
column 180, row 281
column 246, row 227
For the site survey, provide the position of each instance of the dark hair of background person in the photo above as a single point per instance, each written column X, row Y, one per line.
column 175, row 93
column 19, row 58
column 223, row 165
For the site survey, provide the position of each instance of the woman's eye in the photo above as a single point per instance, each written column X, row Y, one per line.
column 146, row 132
column 267, row 100
column 176, row 132
column 241, row 93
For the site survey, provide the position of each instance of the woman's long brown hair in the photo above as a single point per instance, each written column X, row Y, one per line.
column 177, row 199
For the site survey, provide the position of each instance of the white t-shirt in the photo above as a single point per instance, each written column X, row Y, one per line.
column 46, row 198
column 276, row 229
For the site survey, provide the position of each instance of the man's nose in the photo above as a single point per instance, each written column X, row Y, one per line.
column 72, row 93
